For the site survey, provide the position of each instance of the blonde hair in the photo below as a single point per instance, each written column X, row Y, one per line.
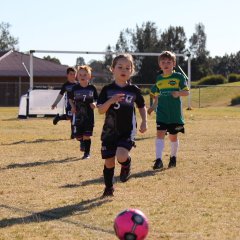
column 168, row 55
column 87, row 68
column 123, row 56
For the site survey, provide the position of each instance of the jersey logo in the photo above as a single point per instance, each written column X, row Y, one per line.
column 172, row 82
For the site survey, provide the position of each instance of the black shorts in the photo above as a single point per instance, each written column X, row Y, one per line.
column 84, row 130
column 108, row 150
column 172, row 128
column 82, row 126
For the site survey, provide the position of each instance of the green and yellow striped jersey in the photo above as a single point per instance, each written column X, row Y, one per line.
column 169, row 109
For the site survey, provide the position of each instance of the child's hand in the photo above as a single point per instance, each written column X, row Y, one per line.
column 92, row 105
column 73, row 109
column 150, row 110
column 143, row 127
column 117, row 97
column 175, row 94
column 53, row 106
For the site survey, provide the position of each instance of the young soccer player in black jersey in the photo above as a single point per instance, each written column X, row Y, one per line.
column 116, row 101
column 66, row 88
column 83, row 99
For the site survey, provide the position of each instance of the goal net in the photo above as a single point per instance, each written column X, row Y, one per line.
column 37, row 103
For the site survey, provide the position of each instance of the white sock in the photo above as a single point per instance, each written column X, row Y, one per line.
column 159, row 147
column 174, row 148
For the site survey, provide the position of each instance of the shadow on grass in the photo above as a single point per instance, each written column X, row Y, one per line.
column 35, row 164
column 143, row 138
column 100, row 180
column 56, row 214
column 34, row 141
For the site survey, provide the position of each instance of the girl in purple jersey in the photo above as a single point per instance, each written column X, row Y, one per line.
column 117, row 101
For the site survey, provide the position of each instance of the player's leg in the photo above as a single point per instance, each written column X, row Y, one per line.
column 87, row 133
column 159, row 145
column 58, row 118
column 174, row 144
column 173, row 130
column 87, row 146
column 123, row 157
column 108, row 154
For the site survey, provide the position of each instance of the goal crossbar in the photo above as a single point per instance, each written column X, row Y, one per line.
column 188, row 55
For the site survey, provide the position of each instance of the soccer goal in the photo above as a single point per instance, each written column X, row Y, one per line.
column 31, row 107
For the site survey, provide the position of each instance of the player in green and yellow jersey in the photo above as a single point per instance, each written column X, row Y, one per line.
column 170, row 86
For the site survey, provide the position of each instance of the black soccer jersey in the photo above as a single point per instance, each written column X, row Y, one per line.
column 67, row 88
column 120, row 119
column 83, row 97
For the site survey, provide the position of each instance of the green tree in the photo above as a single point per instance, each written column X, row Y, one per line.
column 80, row 61
column 199, row 53
column 173, row 39
column 198, row 42
column 7, row 41
column 52, row 59
column 100, row 73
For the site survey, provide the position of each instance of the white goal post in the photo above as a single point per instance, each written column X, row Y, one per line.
column 188, row 55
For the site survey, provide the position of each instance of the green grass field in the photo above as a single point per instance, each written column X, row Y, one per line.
column 48, row 192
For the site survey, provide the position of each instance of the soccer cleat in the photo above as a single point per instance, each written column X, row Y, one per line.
column 56, row 119
column 172, row 162
column 82, row 146
column 125, row 173
column 86, row 156
column 158, row 164
column 108, row 192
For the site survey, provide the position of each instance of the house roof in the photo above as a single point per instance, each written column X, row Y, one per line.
column 13, row 63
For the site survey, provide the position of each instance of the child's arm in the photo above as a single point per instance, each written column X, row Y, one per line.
column 181, row 93
column 143, row 114
column 114, row 99
column 59, row 97
column 154, row 106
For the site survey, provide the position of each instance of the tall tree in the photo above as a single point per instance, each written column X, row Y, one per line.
column 200, row 55
column 173, row 39
column 7, row 41
column 198, row 42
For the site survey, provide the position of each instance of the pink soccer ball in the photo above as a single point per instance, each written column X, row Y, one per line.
column 131, row 224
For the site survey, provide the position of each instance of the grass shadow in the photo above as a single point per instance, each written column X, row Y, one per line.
column 56, row 214
column 35, row 141
column 100, row 180
column 143, row 138
column 39, row 163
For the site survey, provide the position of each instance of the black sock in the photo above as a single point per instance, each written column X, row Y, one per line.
column 108, row 174
column 63, row 117
column 127, row 162
column 87, row 145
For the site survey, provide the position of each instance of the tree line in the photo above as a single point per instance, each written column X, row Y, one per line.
column 148, row 38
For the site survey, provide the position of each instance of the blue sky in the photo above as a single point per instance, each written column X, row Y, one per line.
column 77, row 25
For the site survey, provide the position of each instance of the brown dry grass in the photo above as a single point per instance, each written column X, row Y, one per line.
column 48, row 192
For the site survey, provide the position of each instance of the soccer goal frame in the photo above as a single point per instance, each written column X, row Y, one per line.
column 187, row 55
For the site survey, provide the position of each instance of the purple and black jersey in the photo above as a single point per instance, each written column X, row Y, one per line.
column 67, row 88
column 83, row 97
column 120, row 120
